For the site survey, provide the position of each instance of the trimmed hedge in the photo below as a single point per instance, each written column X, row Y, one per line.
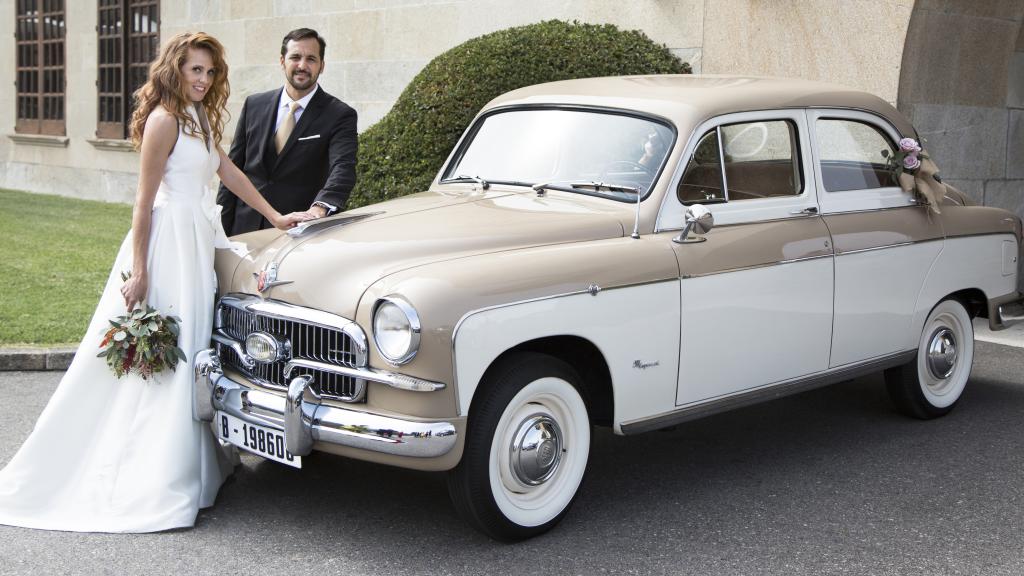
column 402, row 153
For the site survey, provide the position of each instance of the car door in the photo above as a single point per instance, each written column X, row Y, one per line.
column 756, row 292
column 885, row 242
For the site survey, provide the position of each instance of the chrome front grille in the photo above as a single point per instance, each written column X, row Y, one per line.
column 313, row 335
column 309, row 341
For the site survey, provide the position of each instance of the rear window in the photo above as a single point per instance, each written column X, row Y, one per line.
column 854, row 155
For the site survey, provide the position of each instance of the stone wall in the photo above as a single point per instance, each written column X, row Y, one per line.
column 966, row 96
column 375, row 47
column 819, row 40
column 73, row 166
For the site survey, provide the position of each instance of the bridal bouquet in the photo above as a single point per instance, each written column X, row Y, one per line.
column 142, row 341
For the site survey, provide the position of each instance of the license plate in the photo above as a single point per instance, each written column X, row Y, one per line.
column 260, row 440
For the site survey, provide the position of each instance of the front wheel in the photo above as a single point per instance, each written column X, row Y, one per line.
column 527, row 446
column 931, row 385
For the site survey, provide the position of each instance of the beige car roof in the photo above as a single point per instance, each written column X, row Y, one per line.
column 688, row 100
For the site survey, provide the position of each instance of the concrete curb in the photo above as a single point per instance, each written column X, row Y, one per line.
column 31, row 359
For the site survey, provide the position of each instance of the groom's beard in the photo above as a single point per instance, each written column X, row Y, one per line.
column 302, row 84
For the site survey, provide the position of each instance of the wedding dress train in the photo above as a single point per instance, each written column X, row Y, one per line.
column 110, row 455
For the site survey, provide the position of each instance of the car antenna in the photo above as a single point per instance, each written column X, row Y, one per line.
column 636, row 222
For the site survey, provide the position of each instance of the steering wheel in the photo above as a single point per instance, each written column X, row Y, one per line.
column 623, row 166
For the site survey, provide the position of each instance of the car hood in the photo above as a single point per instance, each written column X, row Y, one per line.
column 333, row 261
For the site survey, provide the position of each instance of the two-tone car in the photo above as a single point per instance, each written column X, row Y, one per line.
column 627, row 252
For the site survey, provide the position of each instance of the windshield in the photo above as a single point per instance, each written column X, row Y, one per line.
column 569, row 147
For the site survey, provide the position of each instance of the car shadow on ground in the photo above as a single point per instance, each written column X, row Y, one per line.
column 836, row 467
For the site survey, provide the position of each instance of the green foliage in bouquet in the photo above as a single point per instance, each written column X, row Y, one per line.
column 142, row 341
column 402, row 153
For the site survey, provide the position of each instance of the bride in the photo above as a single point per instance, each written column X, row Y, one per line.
column 111, row 455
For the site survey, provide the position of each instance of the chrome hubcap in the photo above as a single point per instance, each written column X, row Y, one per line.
column 536, row 450
column 942, row 353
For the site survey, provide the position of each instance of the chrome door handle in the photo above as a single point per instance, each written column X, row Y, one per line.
column 809, row 211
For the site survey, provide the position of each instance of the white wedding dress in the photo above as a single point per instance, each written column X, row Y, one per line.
column 111, row 455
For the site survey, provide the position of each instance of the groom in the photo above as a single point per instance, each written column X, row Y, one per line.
column 296, row 145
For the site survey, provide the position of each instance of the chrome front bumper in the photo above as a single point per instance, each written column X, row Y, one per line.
column 306, row 420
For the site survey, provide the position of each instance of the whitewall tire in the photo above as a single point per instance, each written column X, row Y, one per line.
column 931, row 385
column 527, row 447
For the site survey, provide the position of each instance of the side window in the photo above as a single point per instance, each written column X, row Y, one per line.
column 702, row 180
column 853, row 155
column 761, row 161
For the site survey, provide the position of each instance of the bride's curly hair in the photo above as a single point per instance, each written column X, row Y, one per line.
column 164, row 87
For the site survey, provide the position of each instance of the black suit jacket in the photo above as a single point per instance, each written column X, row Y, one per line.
column 317, row 164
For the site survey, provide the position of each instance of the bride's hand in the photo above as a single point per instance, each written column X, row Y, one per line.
column 286, row 221
column 134, row 291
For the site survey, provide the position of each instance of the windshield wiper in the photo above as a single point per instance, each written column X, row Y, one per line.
column 596, row 189
column 464, row 178
column 584, row 187
column 599, row 186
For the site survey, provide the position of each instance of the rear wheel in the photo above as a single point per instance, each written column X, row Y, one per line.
column 527, row 446
column 931, row 385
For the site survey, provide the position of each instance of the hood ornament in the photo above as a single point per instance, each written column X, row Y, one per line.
column 312, row 227
column 267, row 278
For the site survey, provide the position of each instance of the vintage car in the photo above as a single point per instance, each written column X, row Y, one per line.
column 627, row 252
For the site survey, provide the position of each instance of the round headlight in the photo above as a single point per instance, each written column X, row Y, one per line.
column 262, row 347
column 396, row 329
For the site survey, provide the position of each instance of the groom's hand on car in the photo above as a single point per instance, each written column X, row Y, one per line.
column 286, row 221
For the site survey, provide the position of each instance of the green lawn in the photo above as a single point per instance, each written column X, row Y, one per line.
column 57, row 255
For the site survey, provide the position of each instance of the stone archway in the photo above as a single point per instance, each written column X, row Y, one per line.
column 962, row 85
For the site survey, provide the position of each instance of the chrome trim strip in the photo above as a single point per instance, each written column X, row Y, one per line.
column 1010, row 233
column 804, row 259
column 867, row 210
column 897, row 245
column 755, row 266
column 395, row 380
column 721, row 161
column 766, row 393
column 302, row 417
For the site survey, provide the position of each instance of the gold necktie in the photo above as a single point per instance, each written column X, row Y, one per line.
column 287, row 125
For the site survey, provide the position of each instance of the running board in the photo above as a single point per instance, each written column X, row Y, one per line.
column 767, row 393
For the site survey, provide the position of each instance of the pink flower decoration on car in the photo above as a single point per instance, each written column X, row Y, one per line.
column 909, row 145
column 911, row 162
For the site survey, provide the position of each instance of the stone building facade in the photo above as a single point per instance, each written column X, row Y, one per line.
column 955, row 67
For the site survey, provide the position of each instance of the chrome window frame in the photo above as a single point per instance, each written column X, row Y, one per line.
column 857, row 200
column 670, row 213
column 460, row 148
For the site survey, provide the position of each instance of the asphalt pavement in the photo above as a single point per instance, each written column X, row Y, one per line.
column 831, row 481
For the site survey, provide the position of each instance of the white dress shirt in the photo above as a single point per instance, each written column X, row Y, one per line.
column 282, row 106
column 282, row 112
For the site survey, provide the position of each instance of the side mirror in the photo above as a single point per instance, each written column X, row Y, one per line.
column 699, row 220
